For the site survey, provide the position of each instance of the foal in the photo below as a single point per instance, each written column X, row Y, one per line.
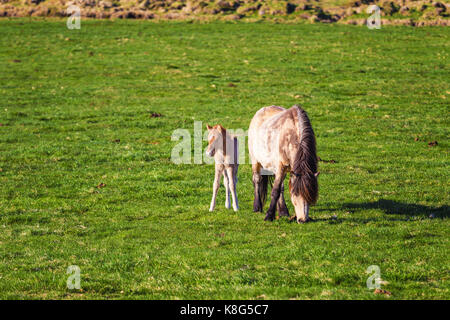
column 224, row 149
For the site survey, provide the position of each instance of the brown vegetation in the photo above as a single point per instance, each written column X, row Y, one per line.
column 399, row 12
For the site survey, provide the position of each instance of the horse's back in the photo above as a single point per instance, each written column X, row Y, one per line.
column 263, row 114
column 258, row 141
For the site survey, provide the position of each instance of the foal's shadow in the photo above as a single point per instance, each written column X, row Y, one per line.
column 392, row 207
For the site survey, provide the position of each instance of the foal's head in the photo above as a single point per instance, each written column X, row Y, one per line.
column 216, row 139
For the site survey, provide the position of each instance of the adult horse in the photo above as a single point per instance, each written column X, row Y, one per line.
column 282, row 140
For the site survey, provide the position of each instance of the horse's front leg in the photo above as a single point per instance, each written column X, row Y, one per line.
column 281, row 204
column 276, row 190
column 257, row 184
column 216, row 185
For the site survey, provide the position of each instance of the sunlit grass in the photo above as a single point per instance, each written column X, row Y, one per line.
column 69, row 96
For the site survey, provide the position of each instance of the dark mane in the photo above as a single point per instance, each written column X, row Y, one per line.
column 304, row 167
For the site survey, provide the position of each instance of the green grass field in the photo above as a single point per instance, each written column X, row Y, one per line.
column 68, row 96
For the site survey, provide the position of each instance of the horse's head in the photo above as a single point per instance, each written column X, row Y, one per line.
column 304, row 190
column 303, row 184
column 216, row 138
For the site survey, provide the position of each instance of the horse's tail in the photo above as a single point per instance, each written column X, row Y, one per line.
column 266, row 179
column 263, row 189
column 305, row 163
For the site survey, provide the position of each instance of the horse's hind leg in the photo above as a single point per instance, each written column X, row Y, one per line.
column 257, row 184
column 281, row 204
column 276, row 190
column 232, row 184
column 235, row 179
column 227, row 189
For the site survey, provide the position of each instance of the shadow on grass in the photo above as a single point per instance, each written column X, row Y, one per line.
column 395, row 207
column 395, row 211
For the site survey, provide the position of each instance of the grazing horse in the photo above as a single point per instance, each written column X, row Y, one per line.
column 282, row 140
column 224, row 148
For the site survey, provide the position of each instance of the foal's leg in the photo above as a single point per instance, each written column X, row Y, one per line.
column 227, row 189
column 257, row 184
column 232, row 184
column 216, row 185
column 235, row 171
column 281, row 204
column 276, row 189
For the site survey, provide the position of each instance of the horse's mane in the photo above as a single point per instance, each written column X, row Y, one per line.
column 304, row 165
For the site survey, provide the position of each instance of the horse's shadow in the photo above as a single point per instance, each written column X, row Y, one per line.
column 392, row 207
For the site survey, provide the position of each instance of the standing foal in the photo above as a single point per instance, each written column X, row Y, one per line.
column 224, row 149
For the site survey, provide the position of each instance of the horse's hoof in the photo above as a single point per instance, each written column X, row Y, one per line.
column 283, row 213
column 269, row 217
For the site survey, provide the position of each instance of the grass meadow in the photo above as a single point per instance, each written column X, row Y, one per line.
column 86, row 176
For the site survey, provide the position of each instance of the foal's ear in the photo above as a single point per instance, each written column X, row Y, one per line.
column 208, row 127
column 317, row 174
